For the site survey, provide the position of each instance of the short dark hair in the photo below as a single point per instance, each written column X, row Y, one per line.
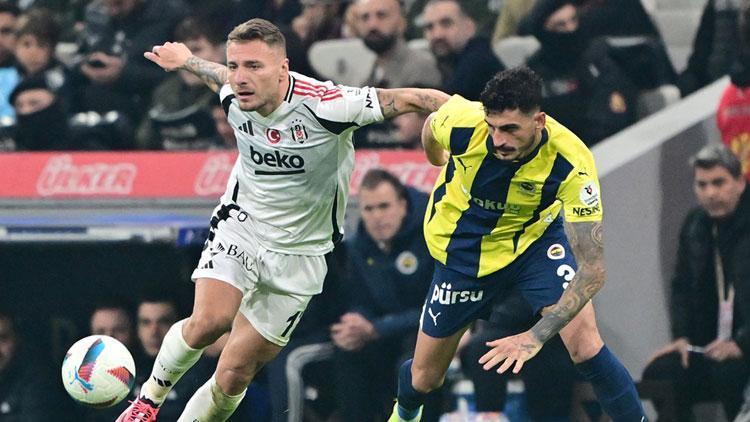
column 193, row 28
column 373, row 178
column 461, row 8
column 112, row 302
column 258, row 29
column 41, row 24
column 7, row 7
column 714, row 155
column 516, row 88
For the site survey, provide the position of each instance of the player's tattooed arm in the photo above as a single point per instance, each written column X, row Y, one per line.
column 172, row 56
column 212, row 74
column 405, row 100
column 586, row 240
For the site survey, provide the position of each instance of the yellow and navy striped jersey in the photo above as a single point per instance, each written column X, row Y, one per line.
column 485, row 212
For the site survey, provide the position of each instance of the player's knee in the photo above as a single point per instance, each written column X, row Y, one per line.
column 234, row 380
column 426, row 380
column 584, row 350
column 204, row 329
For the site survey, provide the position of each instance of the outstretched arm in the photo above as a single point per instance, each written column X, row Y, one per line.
column 586, row 241
column 588, row 248
column 175, row 56
column 405, row 100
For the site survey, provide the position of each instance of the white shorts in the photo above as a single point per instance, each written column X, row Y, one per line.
column 276, row 287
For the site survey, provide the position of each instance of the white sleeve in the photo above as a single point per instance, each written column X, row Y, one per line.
column 358, row 106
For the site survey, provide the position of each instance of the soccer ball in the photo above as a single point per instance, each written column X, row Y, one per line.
column 98, row 371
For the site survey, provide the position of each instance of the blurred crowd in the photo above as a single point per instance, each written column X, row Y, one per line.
column 73, row 75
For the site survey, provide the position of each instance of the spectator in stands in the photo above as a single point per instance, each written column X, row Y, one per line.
column 389, row 270
column 708, row 358
column 319, row 20
column 112, row 318
column 29, row 390
column 483, row 12
column 579, row 71
column 115, row 320
column 37, row 37
column 41, row 121
column 465, row 60
column 115, row 74
column 714, row 48
column 9, row 76
column 155, row 314
column 733, row 115
column 511, row 16
column 548, row 378
column 381, row 26
column 616, row 18
column 179, row 116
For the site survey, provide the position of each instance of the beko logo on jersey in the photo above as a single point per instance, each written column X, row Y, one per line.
column 445, row 295
column 285, row 163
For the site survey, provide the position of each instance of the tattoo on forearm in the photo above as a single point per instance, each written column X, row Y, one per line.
column 389, row 108
column 586, row 240
column 398, row 101
column 212, row 74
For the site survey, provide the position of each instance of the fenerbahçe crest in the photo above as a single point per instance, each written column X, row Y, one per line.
column 406, row 263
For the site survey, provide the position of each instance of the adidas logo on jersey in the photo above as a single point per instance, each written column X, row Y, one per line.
column 246, row 127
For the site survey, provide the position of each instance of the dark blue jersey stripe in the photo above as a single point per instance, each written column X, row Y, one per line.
column 460, row 138
column 439, row 192
column 489, row 192
column 560, row 171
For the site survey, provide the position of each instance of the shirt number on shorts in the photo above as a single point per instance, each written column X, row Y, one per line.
column 291, row 321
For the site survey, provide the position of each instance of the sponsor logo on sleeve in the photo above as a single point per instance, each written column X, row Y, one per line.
column 586, row 211
column 589, row 194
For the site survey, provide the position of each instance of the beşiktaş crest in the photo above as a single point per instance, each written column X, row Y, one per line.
column 299, row 132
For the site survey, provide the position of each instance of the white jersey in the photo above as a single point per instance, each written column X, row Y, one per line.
column 292, row 174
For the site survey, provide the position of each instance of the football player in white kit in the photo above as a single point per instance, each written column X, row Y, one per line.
column 282, row 211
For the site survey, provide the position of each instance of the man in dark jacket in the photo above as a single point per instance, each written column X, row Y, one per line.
column 389, row 271
column 708, row 356
column 28, row 391
column 584, row 87
column 465, row 60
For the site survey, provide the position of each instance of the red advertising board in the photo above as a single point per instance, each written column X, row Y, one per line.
column 68, row 175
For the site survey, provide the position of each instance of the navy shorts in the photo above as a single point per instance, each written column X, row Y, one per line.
column 540, row 274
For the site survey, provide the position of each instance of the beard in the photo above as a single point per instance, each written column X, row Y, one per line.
column 379, row 43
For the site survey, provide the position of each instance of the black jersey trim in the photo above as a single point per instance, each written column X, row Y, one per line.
column 226, row 102
column 337, row 128
column 290, row 89
column 336, row 236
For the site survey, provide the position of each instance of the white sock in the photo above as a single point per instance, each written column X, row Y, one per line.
column 210, row 404
column 174, row 359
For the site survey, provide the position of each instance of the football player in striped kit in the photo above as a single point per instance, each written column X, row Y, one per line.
column 281, row 214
